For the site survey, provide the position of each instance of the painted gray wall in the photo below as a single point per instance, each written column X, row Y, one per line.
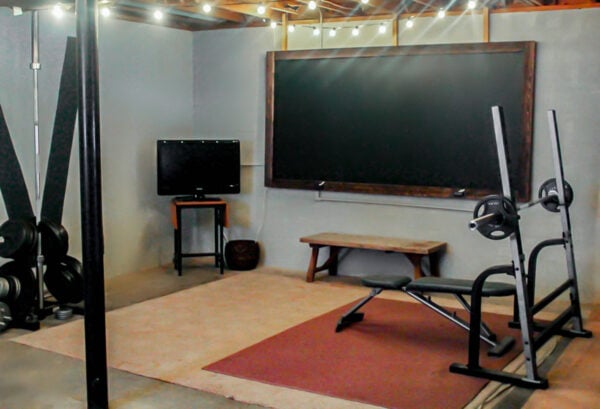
column 229, row 75
column 145, row 94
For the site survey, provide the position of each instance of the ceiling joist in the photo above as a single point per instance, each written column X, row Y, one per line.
column 196, row 15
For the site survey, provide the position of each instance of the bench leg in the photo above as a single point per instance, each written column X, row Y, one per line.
column 434, row 264
column 312, row 264
column 415, row 259
column 331, row 264
column 353, row 315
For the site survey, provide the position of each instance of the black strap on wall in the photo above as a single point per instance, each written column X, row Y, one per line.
column 12, row 183
column 62, row 138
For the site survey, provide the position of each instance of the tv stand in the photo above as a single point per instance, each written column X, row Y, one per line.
column 220, row 221
column 196, row 198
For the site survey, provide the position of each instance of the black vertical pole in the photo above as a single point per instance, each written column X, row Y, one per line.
column 91, row 206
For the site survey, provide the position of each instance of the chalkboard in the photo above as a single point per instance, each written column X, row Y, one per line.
column 399, row 120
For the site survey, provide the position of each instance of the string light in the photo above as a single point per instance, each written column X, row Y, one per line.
column 316, row 31
column 312, row 4
column 58, row 11
column 291, row 28
column 261, row 9
column 441, row 13
column 158, row 14
column 273, row 24
column 206, row 8
column 105, row 11
column 471, row 4
column 410, row 23
column 355, row 31
column 332, row 32
column 382, row 28
column 364, row 1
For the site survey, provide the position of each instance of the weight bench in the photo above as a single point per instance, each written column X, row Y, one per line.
column 418, row 289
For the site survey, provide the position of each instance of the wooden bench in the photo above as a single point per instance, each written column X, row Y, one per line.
column 415, row 250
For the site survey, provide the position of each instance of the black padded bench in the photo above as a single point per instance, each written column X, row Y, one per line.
column 418, row 289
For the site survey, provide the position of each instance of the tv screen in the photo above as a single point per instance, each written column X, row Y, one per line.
column 197, row 167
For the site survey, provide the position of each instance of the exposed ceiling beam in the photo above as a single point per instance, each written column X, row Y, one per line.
column 252, row 10
column 216, row 12
column 32, row 4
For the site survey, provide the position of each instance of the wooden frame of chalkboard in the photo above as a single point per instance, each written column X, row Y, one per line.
column 408, row 120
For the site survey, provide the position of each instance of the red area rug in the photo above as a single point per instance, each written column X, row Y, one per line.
column 398, row 357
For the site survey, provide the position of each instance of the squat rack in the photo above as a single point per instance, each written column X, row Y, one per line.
column 524, row 303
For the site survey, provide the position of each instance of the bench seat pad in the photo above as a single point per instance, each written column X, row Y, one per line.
column 459, row 286
column 386, row 282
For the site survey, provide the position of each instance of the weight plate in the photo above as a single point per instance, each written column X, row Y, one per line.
column 501, row 226
column 55, row 240
column 549, row 188
column 23, row 299
column 5, row 316
column 64, row 280
column 17, row 239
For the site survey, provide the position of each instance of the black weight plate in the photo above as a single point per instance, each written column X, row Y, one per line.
column 25, row 301
column 549, row 188
column 18, row 239
column 503, row 225
column 55, row 240
column 64, row 280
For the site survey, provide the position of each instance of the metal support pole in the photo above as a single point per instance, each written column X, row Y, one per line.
column 566, row 222
column 525, row 316
column 36, row 66
column 91, row 205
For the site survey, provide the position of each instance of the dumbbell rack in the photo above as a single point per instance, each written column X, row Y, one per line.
column 525, row 307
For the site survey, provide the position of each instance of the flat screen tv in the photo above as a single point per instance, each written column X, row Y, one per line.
column 196, row 168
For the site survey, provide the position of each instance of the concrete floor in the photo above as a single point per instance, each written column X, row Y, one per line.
column 35, row 379
column 32, row 378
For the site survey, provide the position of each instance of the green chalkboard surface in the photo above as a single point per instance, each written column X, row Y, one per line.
column 399, row 120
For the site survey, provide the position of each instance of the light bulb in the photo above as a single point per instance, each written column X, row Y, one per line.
column 273, row 24
column 441, row 13
column 355, row 31
column 105, row 11
column 382, row 28
column 471, row 4
column 364, row 1
column 410, row 23
column 206, row 8
column 332, row 32
column 57, row 10
column 291, row 28
column 261, row 9
column 158, row 14
column 316, row 31
column 312, row 4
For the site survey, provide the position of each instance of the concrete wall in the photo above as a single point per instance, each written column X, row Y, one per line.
column 164, row 83
column 229, row 101
column 145, row 94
